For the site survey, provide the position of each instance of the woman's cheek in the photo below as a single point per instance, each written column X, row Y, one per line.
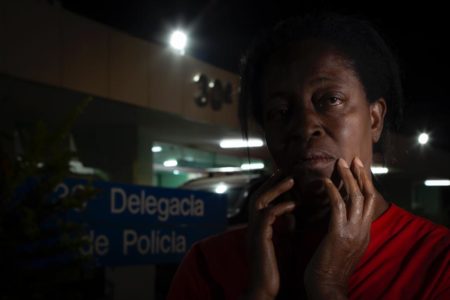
column 353, row 137
column 276, row 150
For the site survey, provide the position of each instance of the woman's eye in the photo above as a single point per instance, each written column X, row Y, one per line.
column 331, row 101
column 277, row 113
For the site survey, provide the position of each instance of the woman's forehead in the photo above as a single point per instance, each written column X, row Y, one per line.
column 308, row 63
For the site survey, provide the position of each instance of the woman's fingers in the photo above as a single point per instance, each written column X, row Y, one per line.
column 267, row 193
column 265, row 198
column 269, row 182
column 271, row 214
column 349, row 229
column 360, row 191
column 255, row 197
column 357, row 168
column 369, row 193
column 264, row 187
column 355, row 203
column 338, row 209
column 265, row 278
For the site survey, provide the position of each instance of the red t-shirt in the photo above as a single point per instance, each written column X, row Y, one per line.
column 407, row 258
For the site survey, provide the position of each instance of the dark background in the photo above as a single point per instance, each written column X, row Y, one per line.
column 219, row 33
column 220, row 30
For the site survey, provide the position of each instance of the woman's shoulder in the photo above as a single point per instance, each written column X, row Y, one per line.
column 224, row 259
column 406, row 235
column 397, row 220
column 408, row 256
column 213, row 266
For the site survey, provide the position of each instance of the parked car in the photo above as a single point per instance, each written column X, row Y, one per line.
column 238, row 189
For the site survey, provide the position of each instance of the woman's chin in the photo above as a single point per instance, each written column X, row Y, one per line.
column 311, row 193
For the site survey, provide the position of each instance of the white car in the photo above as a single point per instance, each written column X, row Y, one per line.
column 237, row 188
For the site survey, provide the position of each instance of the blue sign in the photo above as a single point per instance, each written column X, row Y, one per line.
column 131, row 224
column 143, row 244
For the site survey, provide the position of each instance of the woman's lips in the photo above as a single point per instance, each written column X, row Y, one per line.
column 317, row 160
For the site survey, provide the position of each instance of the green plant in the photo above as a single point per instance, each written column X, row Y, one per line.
column 40, row 256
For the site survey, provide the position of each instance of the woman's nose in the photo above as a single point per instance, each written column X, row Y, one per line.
column 306, row 124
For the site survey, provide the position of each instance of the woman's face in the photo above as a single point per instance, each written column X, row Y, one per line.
column 315, row 111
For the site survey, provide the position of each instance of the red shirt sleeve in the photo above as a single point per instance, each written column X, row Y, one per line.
column 445, row 295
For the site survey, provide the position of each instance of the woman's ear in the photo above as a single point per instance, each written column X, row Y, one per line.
column 377, row 112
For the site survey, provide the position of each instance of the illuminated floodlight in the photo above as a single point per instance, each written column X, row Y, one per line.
column 423, row 138
column 170, row 163
column 196, row 77
column 211, row 84
column 379, row 170
column 178, row 41
column 156, row 149
column 221, row 188
column 240, row 143
column 252, row 166
column 437, row 182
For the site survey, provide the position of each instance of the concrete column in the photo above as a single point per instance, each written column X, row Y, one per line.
column 143, row 162
column 135, row 282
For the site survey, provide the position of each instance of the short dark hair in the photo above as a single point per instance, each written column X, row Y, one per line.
column 355, row 38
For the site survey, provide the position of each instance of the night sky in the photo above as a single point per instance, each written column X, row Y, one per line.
column 220, row 31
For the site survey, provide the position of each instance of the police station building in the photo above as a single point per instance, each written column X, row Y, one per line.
column 155, row 121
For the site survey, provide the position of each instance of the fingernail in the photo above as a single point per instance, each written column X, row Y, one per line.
column 290, row 180
column 343, row 163
column 359, row 162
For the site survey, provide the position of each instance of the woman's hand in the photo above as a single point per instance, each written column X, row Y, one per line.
column 264, row 275
column 331, row 266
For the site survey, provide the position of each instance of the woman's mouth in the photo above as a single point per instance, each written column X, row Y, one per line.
column 315, row 160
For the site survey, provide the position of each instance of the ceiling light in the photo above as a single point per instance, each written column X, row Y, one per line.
column 437, row 182
column 240, row 143
column 379, row 170
column 225, row 169
column 252, row 166
column 156, row 149
column 170, row 163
